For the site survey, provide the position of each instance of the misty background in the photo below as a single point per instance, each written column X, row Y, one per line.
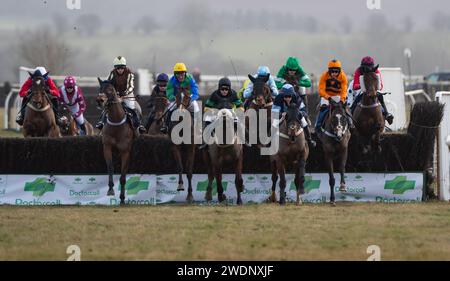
column 221, row 37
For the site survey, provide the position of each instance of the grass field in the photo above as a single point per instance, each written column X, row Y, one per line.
column 5, row 133
column 255, row 232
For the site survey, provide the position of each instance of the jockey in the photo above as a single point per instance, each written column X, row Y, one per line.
column 292, row 68
column 179, row 81
column 333, row 82
column 72, row 97
column 262, row 71
column 159, row 90
column 223, row 97
column 368, row 65
column 123, row 80
column 286, row 97
column 25, row 91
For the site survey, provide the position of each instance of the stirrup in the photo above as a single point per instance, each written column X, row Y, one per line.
column 99, row 125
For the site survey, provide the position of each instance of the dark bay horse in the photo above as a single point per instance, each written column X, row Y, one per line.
column 293, row 149
column 39, row 117
column 160, row 112
column 184, row 151
column 117, row 133
column 261, row 100
column 69, row 126
column 335, row 137
column 368, row 116
column 225, row 149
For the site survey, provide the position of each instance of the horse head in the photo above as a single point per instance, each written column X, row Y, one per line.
column 107, row 94
column 261, row 91
column 371, row 83
column 38, row 92
column 293, row 122
column 338, row 119
column 183, row 99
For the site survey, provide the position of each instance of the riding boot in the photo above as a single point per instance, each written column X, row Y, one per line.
column 205, row 124
column 355, row 103
column 387, row 116
column 165, row 127
column 83, row 129
column 150, row 119
column 102, row 121
column 21, row 115
column 137, row 121
column 323, row 111
column 58, row 117
column 349, row 118
column 308, row 136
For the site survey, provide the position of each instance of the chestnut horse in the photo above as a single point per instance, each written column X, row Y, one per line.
column 69, row 126
column 334, row 138
column 39, row 117
column 117, row 133
column 184, row 151
column 222, row 151
column 293, row 149
column 368, row 116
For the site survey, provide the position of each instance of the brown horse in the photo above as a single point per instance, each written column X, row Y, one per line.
column 69, row 126
column 368, row 116
column 222, row 151
column 261, row 100
column 182, row 102
column 39, row 117
column 335, row 137
column 293, row 149
column 117, row 133
column 160, row 112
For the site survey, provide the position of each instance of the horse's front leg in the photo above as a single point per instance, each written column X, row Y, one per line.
column 107, row 153
column 342, row 163
column 210, row 167
column 239, row 182
column 125, row 157
column 376, row 144
column 282, row 173
column 273, row 196
column 331, row 180
column 190, row 170
column 218, row 171
column 300, row 180
column 179, row 162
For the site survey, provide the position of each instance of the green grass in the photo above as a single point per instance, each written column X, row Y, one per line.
column 256, row 232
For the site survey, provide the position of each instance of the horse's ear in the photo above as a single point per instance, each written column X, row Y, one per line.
column 31, row 74
column 376, row 68
column 251, row 78
column 99, row 80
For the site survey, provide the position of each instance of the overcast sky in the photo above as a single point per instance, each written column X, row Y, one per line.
column 113, row 12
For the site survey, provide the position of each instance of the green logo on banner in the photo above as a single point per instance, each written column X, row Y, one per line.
column 91, row 179
column 40, row 186
column 399, row 185
column 309, row 184
column 78, row 179
column 202, row 185
column 172, row 178
column 134, row 185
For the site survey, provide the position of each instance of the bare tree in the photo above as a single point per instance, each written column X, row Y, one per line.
column 194, row 18
column 60, row 23
column 346, row 24
column 146, row 24
column 408, row 24
column 42, row 47
column 88, row 24
column 440, row 21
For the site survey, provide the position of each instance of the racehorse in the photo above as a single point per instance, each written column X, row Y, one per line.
column 293, row 149
column 117, row 133
column 368, row 115
column 69, row 126
column 183, row 102
column 160, row 112
column 39, row 117
column 224, row 150
column 261, row 100
column 335, row 137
